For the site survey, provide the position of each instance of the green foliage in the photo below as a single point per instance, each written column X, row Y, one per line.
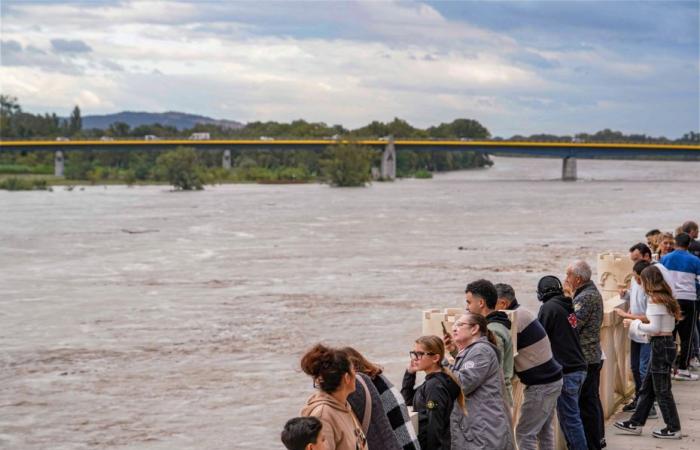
column 423, row 174
column 23, row 184
column 181, row 168
column 75, row 123
column 347, row 165
column 17, row 169
column 460, row 128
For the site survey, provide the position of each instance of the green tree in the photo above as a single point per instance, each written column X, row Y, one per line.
column 181, row 168
column 76, row 122
column 460, row 128
column 347, row 165
column 118, row 129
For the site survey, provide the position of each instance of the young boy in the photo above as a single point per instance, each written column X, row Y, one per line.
column 303, row 433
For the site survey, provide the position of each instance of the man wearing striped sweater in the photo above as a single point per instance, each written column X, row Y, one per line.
column 538, row 371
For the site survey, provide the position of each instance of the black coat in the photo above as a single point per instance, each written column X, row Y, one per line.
column 433, row 401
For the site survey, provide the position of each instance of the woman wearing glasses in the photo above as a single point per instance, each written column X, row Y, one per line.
column 434, row 399
column 488, row 422
column 334, row 376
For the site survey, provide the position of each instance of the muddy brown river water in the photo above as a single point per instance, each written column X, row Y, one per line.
column 145, row 319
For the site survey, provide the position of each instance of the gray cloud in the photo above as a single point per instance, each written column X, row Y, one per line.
column 14, row 54
column 69, row 46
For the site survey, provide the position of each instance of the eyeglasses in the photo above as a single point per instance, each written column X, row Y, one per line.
column 419, row 355
column 461, row 324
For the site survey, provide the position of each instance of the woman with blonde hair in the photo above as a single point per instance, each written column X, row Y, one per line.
column 435, row 398
column 662, row 312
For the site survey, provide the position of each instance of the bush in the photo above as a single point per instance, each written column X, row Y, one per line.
column 24, row 184
column 423, row 174
column 181, row 169
column 347, row 165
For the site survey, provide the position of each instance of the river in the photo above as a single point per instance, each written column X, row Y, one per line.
column 146, row 319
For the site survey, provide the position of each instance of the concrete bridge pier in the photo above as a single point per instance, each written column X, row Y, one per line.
column 227, row 160
column 389, row 160
column 568, row 169
column 58, row 163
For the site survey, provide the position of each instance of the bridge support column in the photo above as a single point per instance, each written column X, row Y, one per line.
column 226, row 162
column 568, row 169
column 389, row 160
column 58, row 164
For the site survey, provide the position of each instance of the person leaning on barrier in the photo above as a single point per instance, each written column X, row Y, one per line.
column 389, row 427
column 537, row 369
column 640, row 350
column 662, row 312
column 559, row 320
column 481, row 297
column 435, row 399
column 487, row 423
column 588, row 306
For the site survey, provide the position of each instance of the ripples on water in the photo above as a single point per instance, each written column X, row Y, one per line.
column 143, row 318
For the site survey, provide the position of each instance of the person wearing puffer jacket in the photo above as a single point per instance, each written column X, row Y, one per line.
column 487, row 423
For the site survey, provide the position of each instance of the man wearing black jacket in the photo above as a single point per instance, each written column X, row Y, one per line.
column 558, row 318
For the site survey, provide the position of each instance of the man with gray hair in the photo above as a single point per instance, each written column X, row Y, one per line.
column 588, row 306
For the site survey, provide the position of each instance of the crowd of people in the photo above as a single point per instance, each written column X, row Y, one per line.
column 466, row 398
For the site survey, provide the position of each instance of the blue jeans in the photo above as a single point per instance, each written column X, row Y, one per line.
column 568, row 411
column 640, row 354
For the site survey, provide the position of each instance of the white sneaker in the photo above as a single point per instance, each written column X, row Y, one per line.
column 685, row 375
column 694, row 363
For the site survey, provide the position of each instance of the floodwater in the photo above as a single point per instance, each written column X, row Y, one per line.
column 146, row 319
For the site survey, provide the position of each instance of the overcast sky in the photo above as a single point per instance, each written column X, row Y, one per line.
column 518, row 67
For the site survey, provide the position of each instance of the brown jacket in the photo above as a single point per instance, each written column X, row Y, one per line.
column 340, row 426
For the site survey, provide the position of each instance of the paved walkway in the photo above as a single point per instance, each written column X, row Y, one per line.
column 687, row 396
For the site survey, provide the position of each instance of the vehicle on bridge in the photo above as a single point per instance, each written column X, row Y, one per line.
column 200, row 137
column 150, row 137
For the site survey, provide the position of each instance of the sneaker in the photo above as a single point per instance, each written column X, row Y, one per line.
column 665, row 433
column 653, row 414
column 694, row 363
column 685, row 375
column 630, row 407
column 628, row 427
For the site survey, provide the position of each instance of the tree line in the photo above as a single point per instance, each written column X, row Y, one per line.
column 15, row 123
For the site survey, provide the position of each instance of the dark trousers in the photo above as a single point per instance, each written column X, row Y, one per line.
column 591, row 408
column 686, row 329
column 657, row 384
column 639, row 362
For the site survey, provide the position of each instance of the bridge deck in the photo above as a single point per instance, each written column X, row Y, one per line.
column 687, row 396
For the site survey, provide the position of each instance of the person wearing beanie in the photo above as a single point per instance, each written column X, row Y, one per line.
column 559, row 320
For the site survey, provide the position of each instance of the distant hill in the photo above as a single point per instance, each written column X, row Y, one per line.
column 172, row 118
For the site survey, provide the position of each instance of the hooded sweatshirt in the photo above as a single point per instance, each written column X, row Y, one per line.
column 558, row 318
column 340, row 426
column 499, row 324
